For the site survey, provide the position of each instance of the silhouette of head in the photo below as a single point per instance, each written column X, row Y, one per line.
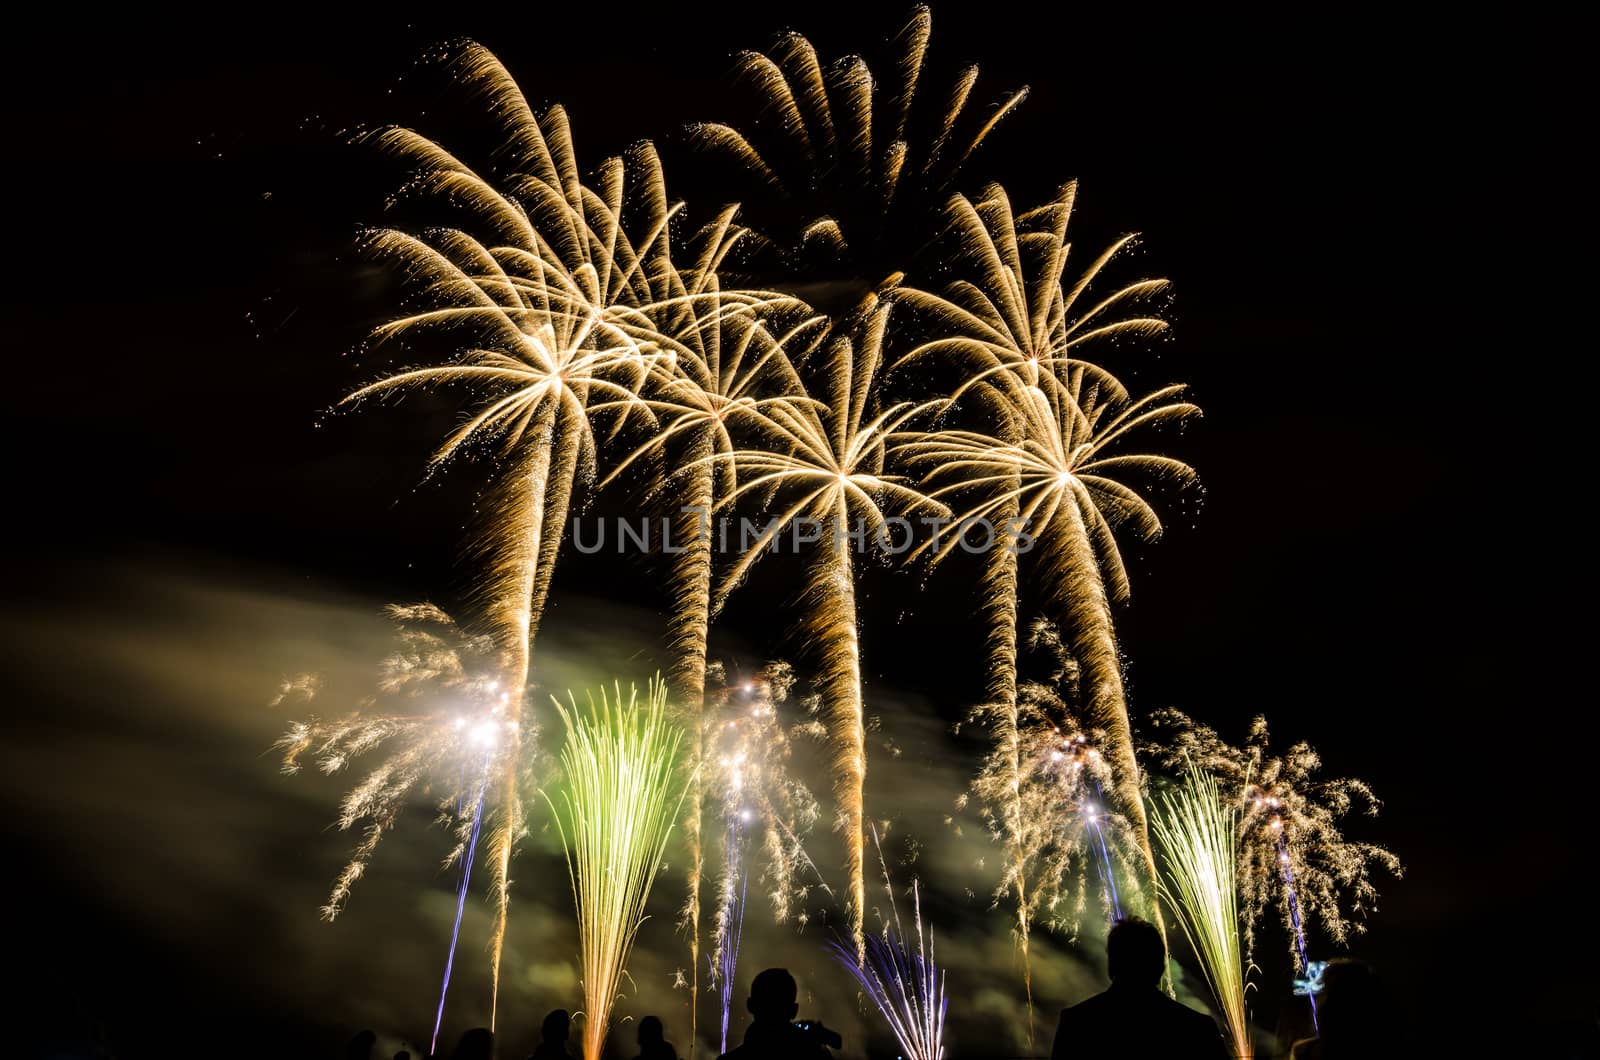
column 772, row 996
column 403, row 1054
column 476, row 1044
column 360, row 1047
column 556, row 1027
column 651, row 1031
column 1135, row 954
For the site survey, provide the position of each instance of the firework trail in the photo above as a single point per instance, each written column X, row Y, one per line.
column 851, row 158
column 461, row 905
column 905, row 985
column 1108, row 877
column 1297, row 929
column 730, row 921
column 616, row 809
column 747, row 750
column 1197, row 831
column 1292, row 851
column 438, row 708
column 825, row 460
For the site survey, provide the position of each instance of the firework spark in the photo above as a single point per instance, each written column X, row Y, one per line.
column 841, row 152
column 442, row 722
column 621, row 794
column 1197, row 831
column 1293, row 856
column 905, row 984
column 826, row 460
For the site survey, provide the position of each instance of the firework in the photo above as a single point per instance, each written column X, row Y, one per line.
column 461, row 902
column 1054, row 463
column 615, row 811
column 905, row 985
column 730, row 922
column 843, row 153
column 1042, row 799
column 1293, row 856
column 541, row 311
column 1197, row 831
column 747, row 750
column 719, row 358
column 443, row 724
column 535, row 386
column 826, row 461
column 1014, row 339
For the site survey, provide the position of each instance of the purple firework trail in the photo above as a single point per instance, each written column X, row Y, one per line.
column 1294, row 917
column 904, row 983
column 461, row 904
column 1106, row 875
column 734, row 929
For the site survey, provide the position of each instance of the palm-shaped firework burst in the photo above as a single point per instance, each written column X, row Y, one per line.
column 1293, row 855
column 823, row 462
column 1056, row 460
column 715, row 372
column 858, row 171
column 543, row 310
column 1013, row 337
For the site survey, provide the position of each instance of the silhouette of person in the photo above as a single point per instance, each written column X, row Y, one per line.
column 404, row 1054
column 1353, row 1018
column 772, row 1035
column 553, row 1037
column 360, row 1047
column 1134, row 1019
column 653, row 1044
column 476, row 1044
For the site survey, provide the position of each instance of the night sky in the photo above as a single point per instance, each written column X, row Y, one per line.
column 1337, row 201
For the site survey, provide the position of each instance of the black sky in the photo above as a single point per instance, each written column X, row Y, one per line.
column 1338, row 198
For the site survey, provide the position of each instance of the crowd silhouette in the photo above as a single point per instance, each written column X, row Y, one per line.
column 1133, row 1019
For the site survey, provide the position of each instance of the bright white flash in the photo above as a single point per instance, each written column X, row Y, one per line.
column 483, row 734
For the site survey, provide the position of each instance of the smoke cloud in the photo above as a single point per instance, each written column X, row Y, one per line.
column 183, row 872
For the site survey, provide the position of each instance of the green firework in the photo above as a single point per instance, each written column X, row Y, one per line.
column 1197, row 835
column 615, row 810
